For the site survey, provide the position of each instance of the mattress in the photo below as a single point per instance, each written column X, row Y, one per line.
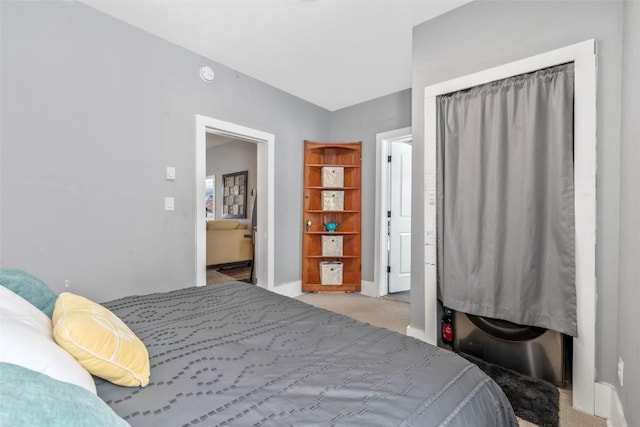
column 235, row 354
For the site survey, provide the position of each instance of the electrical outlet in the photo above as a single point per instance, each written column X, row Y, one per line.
column 621, row 371
column 67, row 284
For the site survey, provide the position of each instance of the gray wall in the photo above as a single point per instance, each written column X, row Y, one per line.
column 92, row 111
column 629, row 291
column 361, row 123
column 231, row 157
column 484, row 34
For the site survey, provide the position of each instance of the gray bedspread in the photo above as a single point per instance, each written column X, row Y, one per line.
column 234, row 354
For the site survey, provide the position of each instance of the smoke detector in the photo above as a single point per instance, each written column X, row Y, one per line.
column 207, row 74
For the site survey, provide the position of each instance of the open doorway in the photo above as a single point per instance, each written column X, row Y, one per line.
column 392, row 266
column 264, row 247
column 230, row 208
column 399, row 219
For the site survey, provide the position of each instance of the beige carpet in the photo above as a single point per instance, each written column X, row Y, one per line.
column 394, row 315
column 388, row 314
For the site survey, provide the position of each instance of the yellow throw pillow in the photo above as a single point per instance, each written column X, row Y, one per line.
column 100, row 341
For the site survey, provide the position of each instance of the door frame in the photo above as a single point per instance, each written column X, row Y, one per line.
column 383, row 141
column 583, row 55
column 264, row 245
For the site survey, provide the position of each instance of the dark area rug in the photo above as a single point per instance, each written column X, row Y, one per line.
column 238, row 272
column 533, row 400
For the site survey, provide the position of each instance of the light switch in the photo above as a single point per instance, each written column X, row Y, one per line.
column 168, row 204
column 171, row 172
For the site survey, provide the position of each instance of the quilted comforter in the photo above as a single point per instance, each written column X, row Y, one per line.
column 234, row 354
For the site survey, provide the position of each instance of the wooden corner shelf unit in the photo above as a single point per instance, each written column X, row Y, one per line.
column 345, row 158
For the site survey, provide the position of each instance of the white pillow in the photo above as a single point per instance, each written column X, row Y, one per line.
column 26, row 340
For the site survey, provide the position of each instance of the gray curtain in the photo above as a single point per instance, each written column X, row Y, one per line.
column 507, row 215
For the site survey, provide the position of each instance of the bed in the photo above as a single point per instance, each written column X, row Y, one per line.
column 234, row 354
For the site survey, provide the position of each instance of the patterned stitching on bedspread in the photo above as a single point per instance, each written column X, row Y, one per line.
column 420, row 409
column 466, row 400
column 260, row 330
column 296, row 382
column 249, row 320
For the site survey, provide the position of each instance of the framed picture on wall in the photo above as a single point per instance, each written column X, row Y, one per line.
column 234, row 195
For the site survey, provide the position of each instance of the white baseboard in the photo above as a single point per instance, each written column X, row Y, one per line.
column 602, row 395
column 416, row 333
column 369, row 289
column 294, row 289
column 608, row 405
column 291, row 289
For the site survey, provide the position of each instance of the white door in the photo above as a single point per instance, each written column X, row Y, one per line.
column 400, row 217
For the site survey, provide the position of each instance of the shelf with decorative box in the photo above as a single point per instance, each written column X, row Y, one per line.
column 331, row 217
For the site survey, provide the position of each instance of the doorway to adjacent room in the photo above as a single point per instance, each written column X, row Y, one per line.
column 392, row 270
column 230, row 251
column 264, row 244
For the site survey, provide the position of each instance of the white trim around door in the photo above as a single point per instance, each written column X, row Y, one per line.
column 583, row 55
column 382, row 206
column 264, row 249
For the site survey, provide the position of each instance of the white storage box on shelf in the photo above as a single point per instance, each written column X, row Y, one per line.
column 331, row 245
column 333, row 176
column 332, row 200
column 330, row 273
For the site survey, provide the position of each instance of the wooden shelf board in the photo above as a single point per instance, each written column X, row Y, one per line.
column 332, row 188
column 323, row 211
column 333, row 256
column 344, row 291
column 332, row 233
column 321, row 165
column 334, row 288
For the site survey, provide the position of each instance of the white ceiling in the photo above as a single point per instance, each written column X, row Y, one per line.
column 333, row 53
